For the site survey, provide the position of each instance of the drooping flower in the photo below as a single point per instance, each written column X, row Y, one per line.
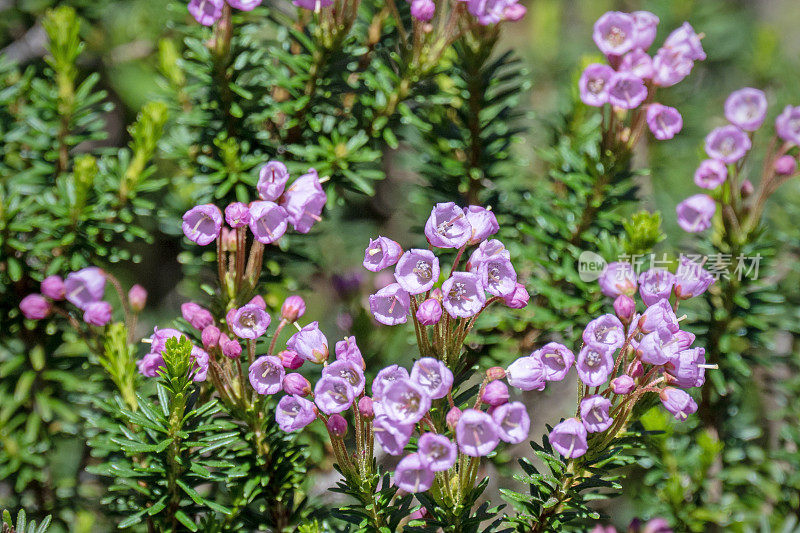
column 527, row 373
column 249, row 321
column 615, row 33
column 333, row 394
column 710, row 174
column 684, row 339
column 417, row 271
column 85, row 286
column 437, row 452
column 518, row 298
column 658, row 346
column 411, row 475
column 787, row 125
column 695, row 213
column 594, row 413
column 476, row 433
column 512, row 421
column 35, row 307
column 594, row 365
column 670, row 67
column 390, row 305
column 53, row 287
column 294, row 413
column 618, row 278
column 423, row 10
column 605, row 330
column 392, row 437
column 293, row 308
column 594, row 83
column 485, row 250
column 569, row 438
column 685, row 41
column 655, row 284
column 97, row 313
column 556, row 360
column 202, row 223
column 347, row 350
column 310, row 343
column 385, row 378
column 678, row 402
column 266, row 375
column 638, row 63
column 746, row 108
column 304, row 200
column 646, row 24
column 464, row 295
column 659, row 314
column 623, row 384
column 433, row 376
column 727, row 144
column 206, row 12
column 625, row 90
column 268, row 221
column 149, row 364
column 198, row 317
column 429, row 312
column 691, row 279
column 294, row 384
column 349, row 371
column 381, row 253
column 272, row 180
column 483, row 222
column 290, row 359
column 498, row 276
column 447, row 226
column 137, row 298
column 405, row 401
column 685, row 368
column 237, row 215
column 665, row 122
column 495, row 393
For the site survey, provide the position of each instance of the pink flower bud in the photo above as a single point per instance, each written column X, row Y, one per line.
column 746, row 188
column 635, row 369
column 35, row 307
column 198, row 317
column 337, row 426
column 53, row 288
column 293, row 308
column 518, row 298
column 228, row 240
column 429, row 312
column 437, row 294
column 230, row 348
column 365, row 407
column 137, row 298
column 624, row 307
column 290, row 359
column 97, row 313
column 237, row 215
column 210, row 337
column 785, row 165
column 296, row 384
column 452, row 418
column 258, row 300
column 622, row 384
column 495, row 393
column 495, row 372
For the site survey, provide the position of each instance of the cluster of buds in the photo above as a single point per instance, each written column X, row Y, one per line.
column 626, row 355
column 727, row 148
column 630, row 80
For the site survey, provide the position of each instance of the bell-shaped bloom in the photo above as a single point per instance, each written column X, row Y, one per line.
column 97, row 313
column 272, row 180
column 659, row 314
column 333, row 394
column 464, row 295
column 498, row 276
column 655, row 284
column 594, row 365
column 685, row 41
column 437, row 452
column 266, row 374
column 429, row 312
column 670, row 67
column 605, row 330
column 268, row 221
column 447, row 226
column 348, row 350
column 638, row 63
column 485, row 250
column 295, row 383
column 664, row 122
column 390, row 305
column 200, row 367
column 244, row 5
column 618, row 278
column 381, row 253
column 237, row 215
column 85, row 286
column 294, row 413
column 527, row 373
column 678, row 402
column 615, row 33
column 623, row 384
column 385, row 378
column 310, row 343
column 423, row 10
column 483, row 222
column 349, row 371
column 202, row 224
column 626, row 90
column 495, row 393
column 785, row 165
column 476, row 433
column 787, row 125
column 206, row 12
column 433, row 376
column 198, row 317
column 695, row 213
column 556, row 360
column 158, row 340
column 405, row 402
column 518, row 298
column 684, row 339
column 658, row 346
column 53, row 287
column 686, row 368
column 746, row 108
column 248, row 321
column 411, row 475
column 417, row 271
column 594, row 413
column 646, row 24
column 304, row 200
column 691, row 279
column 710, row 174
column 512, row 421
column 293, row 308
column 392, row 437
column 149, row 364
column 35, row 307
column 727, row 144
column 569, row 438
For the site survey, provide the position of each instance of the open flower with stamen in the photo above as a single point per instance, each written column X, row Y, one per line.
column 678, row 402
column 710, row 174
column 695, row 213
column 527, row 373
column 333, row 394
column 615, row 33
column 664, row 122
column 304, row 200
column 595, row 363
column 658, row 314
column 411, row 475
column 512, row 422
column 746, row 108
column 569, row 438
column 691, row 279
column 202, row 224
column 484, row 251
column 349, row 371
column 268, row 221
column 618, row 278
column 685, row 41
column 381, row 253
column 405, row 402
column 266, row 374
column 392, row 437
column 206, row 12
column 310, row 343
column 594, row 413
column 433, row 376
column 605, row 330
column 483, row 223
column 476, row 433
column 687, row 368
column 347, row 350
column 594, row 83
column 390, row 305
column 655, row 284
column 417, row 271
column 556, row 360
column 626, row 90
column 464, row 295
column 658, row 347
column 387, row 377
column 249, row 321
column 294, row 413
column 437, row 452
column 447, row 226
column 85, row 286
column 498, row 276
column 272, row 180
column 727, row 144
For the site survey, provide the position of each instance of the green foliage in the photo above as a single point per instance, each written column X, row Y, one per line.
column 22, row 525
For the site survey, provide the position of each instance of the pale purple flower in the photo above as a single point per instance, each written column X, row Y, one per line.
column 268, row 221
column 484, row 251
column 687, row 368
column 624, row 307
column 149, row 364
column 336, row 426
column 411, row 475
column 710, row 174
column 660, row 313
column 785, row 165
column 476, row 433
column 158, row 340
column 684, row 339
column 447, row 226
column 623, row 384
column 787, row 125
column 746, row 108
column 137, row 298
column 333, row 394
column 197, row 317
column 433, row 376
column 437, row 452
column 206, row 12
column 678, row 402
column 304, row 200
column 512, row 421
column 727, row 144
column 490, row 11
column 35, row 307
column 664, row 122
column 53, row 287
column 244, row 5
column 266, row 374
column 452, row 417
column 498, row 276
column 310, row 343
column 230, row 347
column 392, row 437
column 417, row 271
column 464, row 295
column 527, row 373
column 605, row 330
column 626, row 90
column 385, row 378
column 272, row 180
column 655, row 284
column 594, row 413
column 429, row 312
column 237, row 215
column 405, row 401
column 670, row 67
column 390, row 305
column 638, row 63
column 618, row 278
column 249, row 321
column 695, row 213
column 85, row 286
column 691, row 279
column 685, row 41
column 295, row 383
column 294, row 413
column 595, row 363
column 569, row 438
column 97, row 313
column 495, row 393
column 514, row 12
column 657, row 347
column 366, row 407
column 556, row 360
column 594, row 84
column 646, row 24
column 518, row 298
column 483, row 222
column 615, row 33
column 202, row 224
column 423, row 10
column 293, row 308
column 201, row 362
column 347, row 350
column 349, row 371
column 381, row 253
column 312, row 5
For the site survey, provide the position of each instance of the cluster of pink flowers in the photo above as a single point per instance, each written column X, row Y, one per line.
column 632, row 75
column 626, row 354
column 727, row 147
